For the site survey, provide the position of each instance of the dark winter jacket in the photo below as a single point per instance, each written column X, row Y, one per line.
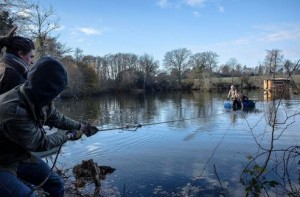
column 13, row 72
column 26, row 108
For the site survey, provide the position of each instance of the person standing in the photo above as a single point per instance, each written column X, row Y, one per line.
column 14, row 65
column 24, row 110
column 233, row 95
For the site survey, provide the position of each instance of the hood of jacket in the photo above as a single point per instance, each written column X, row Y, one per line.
column 45, row 81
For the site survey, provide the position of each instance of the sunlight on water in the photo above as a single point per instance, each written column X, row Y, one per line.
column 188, row 144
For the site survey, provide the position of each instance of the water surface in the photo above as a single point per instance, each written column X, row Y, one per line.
column 188, row 145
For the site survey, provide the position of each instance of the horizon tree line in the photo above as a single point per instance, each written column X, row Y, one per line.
column 90, row 75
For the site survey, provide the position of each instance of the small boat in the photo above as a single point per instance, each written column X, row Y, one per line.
column 246, row 103
column 249, row 103
column 227, row 104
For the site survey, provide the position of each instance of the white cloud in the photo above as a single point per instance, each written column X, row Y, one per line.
column 60, row 28
column 195, row 13
column 84, row 35
column 221, row 9
column 241, row 41
column 163, row 3
column 250, row 49
column 89, row 31
column 285, row 32
column 32, row 27
column 24, row 13
column 194, row 2
column 281, row 35
column 179, row 3
column 75, row 37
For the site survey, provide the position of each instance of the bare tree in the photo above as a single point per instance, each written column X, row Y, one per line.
column 121, row 68
column 36, row 21
column 224, row 70
column 205, row 63
column 148, row 67
column 177, row 60
column 13, row 12
column 274, row 61
column 90, row 60
column 78, row 54
column 105, row 67
column 270, row 159
column 198, row 62
column 127, row 64
column 55, row 48
column 104, row 74
column 75, row 79
column 232, row 63
column 260, row 70
column 42, row 22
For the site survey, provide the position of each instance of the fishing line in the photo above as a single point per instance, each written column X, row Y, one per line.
column 126, row 127
column 208, row 160
column 138, row 125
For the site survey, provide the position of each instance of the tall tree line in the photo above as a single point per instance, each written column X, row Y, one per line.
column 91, row 75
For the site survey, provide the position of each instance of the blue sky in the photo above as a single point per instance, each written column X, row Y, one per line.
column 241, row 29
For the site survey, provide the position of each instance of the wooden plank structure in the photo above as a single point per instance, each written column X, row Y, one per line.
column 276, row 88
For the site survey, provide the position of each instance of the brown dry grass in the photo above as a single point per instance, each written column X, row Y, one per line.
column 258, row 80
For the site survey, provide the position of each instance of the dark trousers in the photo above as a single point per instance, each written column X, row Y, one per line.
column 236, row 105
column 32, row 173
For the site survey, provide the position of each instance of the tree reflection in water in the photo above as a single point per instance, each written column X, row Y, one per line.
column 204, row 153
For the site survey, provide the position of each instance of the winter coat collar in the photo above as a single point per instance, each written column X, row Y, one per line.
column 16, row 63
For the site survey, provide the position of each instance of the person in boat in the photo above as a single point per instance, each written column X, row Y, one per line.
column 14, row 65
column 241, row 98
column 233, row 95
column 23, row 112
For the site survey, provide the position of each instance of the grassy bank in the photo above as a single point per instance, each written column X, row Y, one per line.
column 247, row 82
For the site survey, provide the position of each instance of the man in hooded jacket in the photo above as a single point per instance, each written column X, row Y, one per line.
column 23, row 112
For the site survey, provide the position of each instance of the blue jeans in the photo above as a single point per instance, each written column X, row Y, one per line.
column 32, row 173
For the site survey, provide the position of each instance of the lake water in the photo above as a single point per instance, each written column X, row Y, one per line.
column 188, row 145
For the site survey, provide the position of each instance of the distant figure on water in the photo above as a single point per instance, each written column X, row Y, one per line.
column 232, row 93
column 241, row 98
column 234, row 96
